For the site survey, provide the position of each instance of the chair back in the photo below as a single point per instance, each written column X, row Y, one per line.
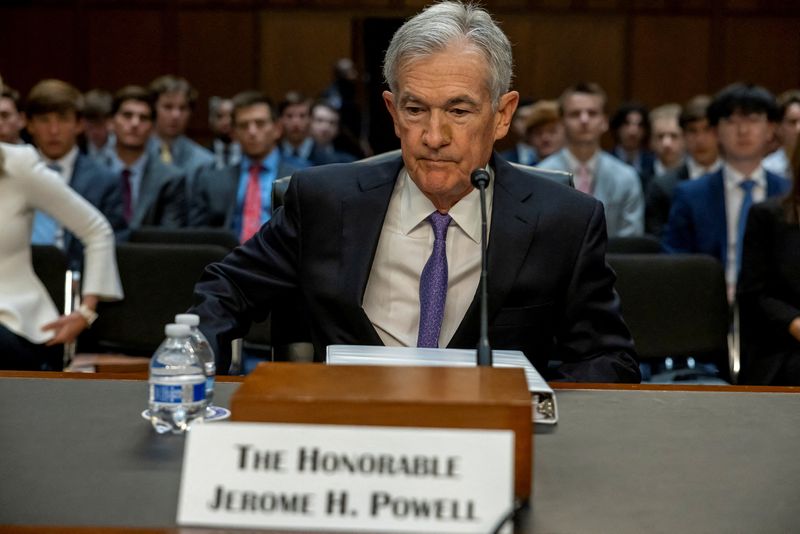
column 158, row 280
column 185, row 236
column 50, row 265
column 642, row 244
column 674, row 304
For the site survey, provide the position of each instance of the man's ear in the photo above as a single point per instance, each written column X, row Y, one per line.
column 505, row 113
column 388, row 99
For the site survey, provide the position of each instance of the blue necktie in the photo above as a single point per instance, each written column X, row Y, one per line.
column 44, row 226
column 747, row 201
column 433, row 284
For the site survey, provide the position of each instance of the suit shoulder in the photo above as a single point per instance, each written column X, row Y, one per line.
column 620, row 170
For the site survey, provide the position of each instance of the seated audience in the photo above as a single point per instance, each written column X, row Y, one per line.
column 297, row 146
column 54, row 115
column 666, row 139
column 769, row 289
column 631, row 130
column 153, row 193
column 596, row 172
column 239, row 197
column 174, row 100
column 702, row 157
column 788, row 131
column 220, row 120
column 32, row 332
column 543, row 129
column 12, row 120
column 709, row 214
column 522, row 152
column 97, row 116
column 324, row 129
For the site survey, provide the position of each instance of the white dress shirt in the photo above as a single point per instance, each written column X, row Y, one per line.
column 696, row 170
column 734, row 195
column 391, row 298
column 574, row 165
column 66, row 166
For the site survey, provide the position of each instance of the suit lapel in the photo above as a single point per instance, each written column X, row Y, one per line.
column 147, row 191
column 717, row 213
column 363, row 213
column 230, row 187
column 514, row 219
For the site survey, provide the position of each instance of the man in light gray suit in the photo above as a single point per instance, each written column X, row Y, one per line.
column 173, row 100
column 597, row 173
column 153, row 193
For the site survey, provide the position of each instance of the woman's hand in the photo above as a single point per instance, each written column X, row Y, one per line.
column 794, row 328
column 66, row 328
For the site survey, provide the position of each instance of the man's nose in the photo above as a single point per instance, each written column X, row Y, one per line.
column 437, row 132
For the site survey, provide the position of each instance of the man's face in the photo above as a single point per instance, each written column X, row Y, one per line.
column 295, row 121
column 97, row 131
column 701, row 142
column 55, row 133
column 222, row 119
column 324, row 125
column 11, row 121
column 789, row 128
column 744, row 136
column 584, row 120
column 547, row 138
column 631, row 133
column 442, row 113
column 666, row 140
column 132, row 124
column 256, row 131
column 172, row 114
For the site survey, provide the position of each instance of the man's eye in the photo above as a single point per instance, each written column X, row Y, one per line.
column 413, row 110
column 458, row 112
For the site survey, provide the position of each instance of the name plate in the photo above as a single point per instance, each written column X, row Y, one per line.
column 331, row 477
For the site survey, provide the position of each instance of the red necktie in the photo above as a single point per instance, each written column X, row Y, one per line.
column 251, row 211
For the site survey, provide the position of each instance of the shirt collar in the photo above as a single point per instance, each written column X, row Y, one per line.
column 117, row 165
column 696, row 170
column 733, row 177
column 66, row 163
column 573, row 163
column 415, row 207
column 269, row 162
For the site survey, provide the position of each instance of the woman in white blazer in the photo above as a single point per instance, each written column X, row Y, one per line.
column 32, row 331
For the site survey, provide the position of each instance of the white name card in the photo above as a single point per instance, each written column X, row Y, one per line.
column 330, row 477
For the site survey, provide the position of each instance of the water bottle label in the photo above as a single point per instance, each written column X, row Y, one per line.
column 209, row 384
column 178, row 393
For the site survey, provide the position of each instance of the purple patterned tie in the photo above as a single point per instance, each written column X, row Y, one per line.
column 433, row 284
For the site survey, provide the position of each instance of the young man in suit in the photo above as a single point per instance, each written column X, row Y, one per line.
column 153, row 193
column 324, row 130
column 708, row 215
column 238, row 197
column 788, row 131
column 54, row 113
column 12, row 120
column 174, row 100
column 597, row 172
column 355, row 239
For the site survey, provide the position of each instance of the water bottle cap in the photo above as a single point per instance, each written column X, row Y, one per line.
column 177, row 330
column 187, row 318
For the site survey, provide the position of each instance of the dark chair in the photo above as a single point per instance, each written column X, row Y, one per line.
column 158, row 281
column 644, row 244
column 185, row 236
column 675, row 306
column 50, row 265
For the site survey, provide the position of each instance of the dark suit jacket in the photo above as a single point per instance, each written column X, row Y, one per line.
column 214, row 198
column 769, row 293
column 101, row 188
column 551, row 292
column 162, row 197
column 697, row 221
column 658, row 199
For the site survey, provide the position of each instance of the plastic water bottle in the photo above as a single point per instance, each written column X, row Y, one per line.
column 177, row 383
column 204, row 353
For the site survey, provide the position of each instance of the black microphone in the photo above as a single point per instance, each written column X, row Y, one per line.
column 480, row 179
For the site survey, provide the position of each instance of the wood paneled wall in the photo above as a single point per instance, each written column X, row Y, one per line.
column 651, row 50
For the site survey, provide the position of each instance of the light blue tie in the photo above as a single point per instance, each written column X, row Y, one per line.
column 44, row 226
column 747, row 201
column 433, row 284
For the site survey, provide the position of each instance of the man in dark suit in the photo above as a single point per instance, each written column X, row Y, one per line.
column 153, row 193
column 709, row 214
column 365, row 243
column 702, row 157
column 54, row 117
column 221, row 196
